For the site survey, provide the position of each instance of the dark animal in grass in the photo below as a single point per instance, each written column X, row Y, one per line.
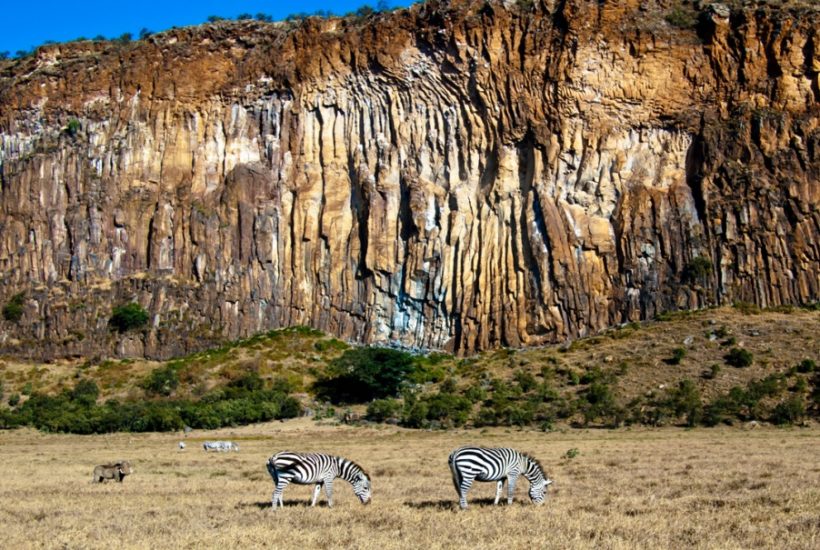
column 117, row 471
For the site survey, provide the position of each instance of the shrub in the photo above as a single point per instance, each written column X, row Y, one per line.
column 73, row 127
column 448, row 408
column 362, row 374
column 747, row 308
column 27, row 389
column 790, row 411
column 4, row 55
column 571, row 453
column 215, row 19
column 264, row 17
column 681, row 18
column 739, row 357
column 381, row 410
column 685, row 401
column 13, row 310
column 806, row 366
column 145, row 33
column 677, row 356
column 128, row 317
column 162, row 381
column 712, row 373
column 244, row 17
column 125, row 38
column 525, row 380
column 14, row 399
column 598, row 402
column 697, row 269
column 85, row 392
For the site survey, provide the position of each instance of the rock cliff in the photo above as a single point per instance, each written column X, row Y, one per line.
column 458, row 175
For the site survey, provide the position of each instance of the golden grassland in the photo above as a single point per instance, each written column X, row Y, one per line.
column 661, row 488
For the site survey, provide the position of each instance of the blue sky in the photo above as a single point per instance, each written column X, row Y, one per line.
column 24, row 25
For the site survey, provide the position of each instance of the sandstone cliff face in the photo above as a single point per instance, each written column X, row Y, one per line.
column 459, row 175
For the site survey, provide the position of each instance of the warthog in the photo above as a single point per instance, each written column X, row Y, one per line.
column 117, row 471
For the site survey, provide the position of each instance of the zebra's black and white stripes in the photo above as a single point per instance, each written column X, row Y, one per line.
column 468, row 464
column 321, row 469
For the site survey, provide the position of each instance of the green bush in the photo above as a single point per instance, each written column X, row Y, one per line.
column 739, row 357
column 75, row 411
column 677, row 356
column 381, row 410
column 73, row 127
column 698, row 269
column 14, row 399
column 806, row 366
column 685, row 401
column 712, row 373
column 790, row 411
column 128, row 317
column 362, row 374
column 13, row 310
column 681, row 18
column 598, row 402
column 162, row 381
column 85, row 392
column 448, row 409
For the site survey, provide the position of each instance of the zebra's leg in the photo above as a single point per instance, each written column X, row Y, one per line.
column 465, row 486
column 329, row 492
column 277, row 493
column 511, row 479
column 316, row 491
column 498, row 489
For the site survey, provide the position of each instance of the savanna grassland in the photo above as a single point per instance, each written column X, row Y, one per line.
column 649, row 488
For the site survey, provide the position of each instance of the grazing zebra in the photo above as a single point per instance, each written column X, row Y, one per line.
column 222, row 446
column 476, row 463
column 321, row 469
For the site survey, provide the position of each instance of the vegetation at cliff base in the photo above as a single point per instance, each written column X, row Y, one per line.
column 128, row 317
column 13, row 310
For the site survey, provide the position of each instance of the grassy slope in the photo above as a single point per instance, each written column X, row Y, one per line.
column 634, row 354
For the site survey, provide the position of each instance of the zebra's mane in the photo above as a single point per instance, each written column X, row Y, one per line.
column 536, row 462
column 362, row 470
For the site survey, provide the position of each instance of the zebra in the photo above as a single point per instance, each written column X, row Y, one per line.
column 321, row 469
column 477, row 463
column 222, row 446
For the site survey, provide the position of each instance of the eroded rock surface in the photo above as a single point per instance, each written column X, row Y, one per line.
column 459, row 175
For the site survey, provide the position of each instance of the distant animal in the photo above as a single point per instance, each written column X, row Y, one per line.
column 321, row 469
column 477, row 463
column 221, row 446
column 181, row 445
column 117, row 470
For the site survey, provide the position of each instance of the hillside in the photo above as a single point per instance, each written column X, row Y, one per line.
column 634, row 369
column 461, row 175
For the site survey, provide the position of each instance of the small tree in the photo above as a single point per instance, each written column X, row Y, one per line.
column 739, row 357
column 128, row 317
column 145, row 33
column 362, row 374
column 13, row 310
column 244, row 17
column 4, row 55
column 125, row 38
column 215, row 19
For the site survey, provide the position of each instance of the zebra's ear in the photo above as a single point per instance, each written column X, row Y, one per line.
column 548, row 482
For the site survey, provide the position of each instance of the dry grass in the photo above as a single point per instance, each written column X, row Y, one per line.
column 720, row 488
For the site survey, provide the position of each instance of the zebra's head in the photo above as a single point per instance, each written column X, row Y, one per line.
column 361, row 486
column 538, row 490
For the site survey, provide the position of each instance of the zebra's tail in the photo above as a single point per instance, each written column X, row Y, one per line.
column 454, row 470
